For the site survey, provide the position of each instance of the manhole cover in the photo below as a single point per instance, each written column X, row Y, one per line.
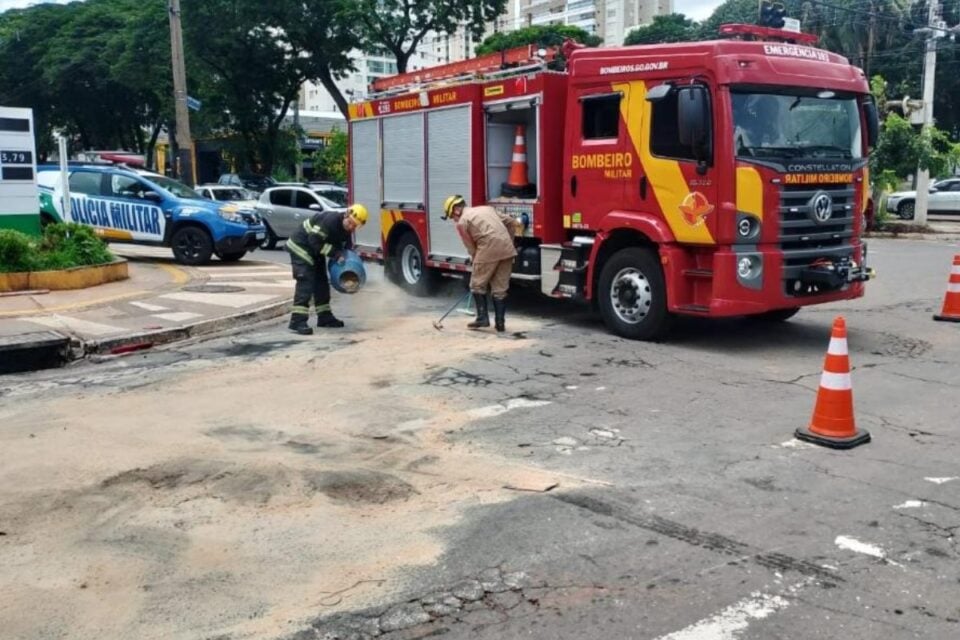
column 214, row 288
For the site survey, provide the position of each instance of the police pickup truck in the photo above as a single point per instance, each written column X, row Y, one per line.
column 141, row 207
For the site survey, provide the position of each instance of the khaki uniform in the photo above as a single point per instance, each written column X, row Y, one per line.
column 488, row 236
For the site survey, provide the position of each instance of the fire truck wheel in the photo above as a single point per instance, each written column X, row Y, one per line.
column 632, row 295
column 409, row 268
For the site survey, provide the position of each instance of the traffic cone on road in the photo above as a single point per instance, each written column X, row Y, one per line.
column 833, row 424
column 951, row 302
column 518, row 185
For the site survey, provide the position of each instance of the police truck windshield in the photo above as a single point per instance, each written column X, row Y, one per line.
column 778, row 125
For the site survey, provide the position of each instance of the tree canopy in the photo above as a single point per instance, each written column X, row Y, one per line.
column 542, row 35
column 674, row 27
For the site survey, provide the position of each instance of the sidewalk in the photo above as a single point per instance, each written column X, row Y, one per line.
column 160, row 302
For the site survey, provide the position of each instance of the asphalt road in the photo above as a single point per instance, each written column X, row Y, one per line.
column 394, row 481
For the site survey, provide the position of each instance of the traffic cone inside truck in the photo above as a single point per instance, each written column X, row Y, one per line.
column 707, row 179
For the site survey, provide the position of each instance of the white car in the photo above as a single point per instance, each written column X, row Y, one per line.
column 226, row 193
column 283, row 209
column 944, row 198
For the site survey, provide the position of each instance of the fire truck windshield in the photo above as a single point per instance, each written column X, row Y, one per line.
column 784, row 125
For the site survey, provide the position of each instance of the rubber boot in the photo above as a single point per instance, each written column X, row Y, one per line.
column 298, row 324
column 483, row 318
column 327, row 319
column 500, row 310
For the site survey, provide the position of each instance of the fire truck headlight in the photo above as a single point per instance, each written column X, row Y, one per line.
column 748, row 267
column 748, row 227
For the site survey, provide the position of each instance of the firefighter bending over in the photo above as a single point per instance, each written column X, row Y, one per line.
column 322, row 236
column 488, row 236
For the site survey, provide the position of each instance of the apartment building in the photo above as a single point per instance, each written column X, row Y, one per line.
column 609, row 19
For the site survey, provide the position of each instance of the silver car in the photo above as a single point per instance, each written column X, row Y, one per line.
column 944, row 198
column 284, row 209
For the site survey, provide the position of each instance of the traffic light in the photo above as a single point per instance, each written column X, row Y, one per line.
column 772, row 14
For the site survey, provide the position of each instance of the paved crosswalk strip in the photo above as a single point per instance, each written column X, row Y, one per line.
column 147, row 306
column 76, row 325
column 234, row 300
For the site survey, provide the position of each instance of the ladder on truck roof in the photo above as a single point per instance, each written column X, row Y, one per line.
column 509, row 60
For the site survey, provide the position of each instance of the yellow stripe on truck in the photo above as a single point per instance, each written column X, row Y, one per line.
column 750, row 191
column 669, row 186
column 113, row 234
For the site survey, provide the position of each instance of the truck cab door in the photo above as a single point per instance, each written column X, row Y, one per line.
column 599, row 162
column 675, row 177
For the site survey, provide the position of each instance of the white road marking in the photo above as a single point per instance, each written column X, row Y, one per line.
column 233, row 300
column 911, row 504
column 728, row 623
column 179, row 316
column 148, row 306
column 251, row 274
column 852, row 544
column 75, row 325
column 509, row 405
column 940, row 480
column 794, row 444
column 260, row 285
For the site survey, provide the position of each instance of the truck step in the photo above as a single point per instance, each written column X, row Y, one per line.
column 698, row 273
column 694, row 308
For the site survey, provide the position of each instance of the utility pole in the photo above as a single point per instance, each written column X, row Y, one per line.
column 296, row 134
column 929, row 73
column 184, row 166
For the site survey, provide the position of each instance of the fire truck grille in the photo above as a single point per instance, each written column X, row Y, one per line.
column 805, row 237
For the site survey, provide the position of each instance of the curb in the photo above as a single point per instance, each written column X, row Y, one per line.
column 148, row 339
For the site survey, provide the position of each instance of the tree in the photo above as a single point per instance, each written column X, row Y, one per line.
column 545, row 36
column 331, row 160
column 399, row 26
column 254, row 62
column 674, row 27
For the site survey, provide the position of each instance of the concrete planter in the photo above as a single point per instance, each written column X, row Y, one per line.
column 75, row 278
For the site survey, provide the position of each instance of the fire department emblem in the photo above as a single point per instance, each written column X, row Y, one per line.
column 821, row 207
column 695, row 208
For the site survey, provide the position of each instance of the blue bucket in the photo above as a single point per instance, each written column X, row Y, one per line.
column 349, row 276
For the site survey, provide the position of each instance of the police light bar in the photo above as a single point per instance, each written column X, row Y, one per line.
column 752, row 31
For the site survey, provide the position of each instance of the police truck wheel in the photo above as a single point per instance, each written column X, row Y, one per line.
column 231, row 257
column 270, row 241
column 632, row 295
column 905, row 210
column 409, row 267
column 192, row 246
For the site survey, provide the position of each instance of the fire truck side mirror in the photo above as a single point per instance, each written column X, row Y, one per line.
column 693, row 117
column 873, row 122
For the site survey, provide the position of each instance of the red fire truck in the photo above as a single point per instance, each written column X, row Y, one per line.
column 709, row 179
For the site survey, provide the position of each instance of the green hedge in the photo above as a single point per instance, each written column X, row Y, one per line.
column 61, row 247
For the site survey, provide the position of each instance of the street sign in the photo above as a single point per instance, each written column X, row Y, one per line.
column 791, row 24
column 193, row 103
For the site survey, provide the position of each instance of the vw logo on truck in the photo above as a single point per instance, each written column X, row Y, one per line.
column 821, row 207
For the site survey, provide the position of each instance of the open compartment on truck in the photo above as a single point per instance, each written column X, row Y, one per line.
column 505, row 123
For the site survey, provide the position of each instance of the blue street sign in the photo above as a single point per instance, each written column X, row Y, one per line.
column 193, row 103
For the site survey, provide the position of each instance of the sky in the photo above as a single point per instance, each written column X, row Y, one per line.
column 696, row 9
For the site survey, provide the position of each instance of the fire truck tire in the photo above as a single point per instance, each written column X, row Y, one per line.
column 408, row 267
column 632, row 295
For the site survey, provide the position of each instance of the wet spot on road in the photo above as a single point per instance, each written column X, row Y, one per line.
column 302, row 447
column 451, row 377
column 360, row 486
column 255, row 349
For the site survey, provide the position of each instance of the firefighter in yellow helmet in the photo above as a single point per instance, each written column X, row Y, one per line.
column 326, row 234
column 488, row 236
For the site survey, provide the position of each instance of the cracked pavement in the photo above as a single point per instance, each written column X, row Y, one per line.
column 391, row 481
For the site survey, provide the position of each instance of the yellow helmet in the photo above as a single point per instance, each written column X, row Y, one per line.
column 450, row 203
column 359, row 213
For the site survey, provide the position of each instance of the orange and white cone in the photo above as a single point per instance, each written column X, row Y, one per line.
column 833, row 424
column 518, row 184
column 951, row 301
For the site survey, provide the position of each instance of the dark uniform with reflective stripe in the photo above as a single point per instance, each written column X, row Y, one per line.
column 320, row 237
